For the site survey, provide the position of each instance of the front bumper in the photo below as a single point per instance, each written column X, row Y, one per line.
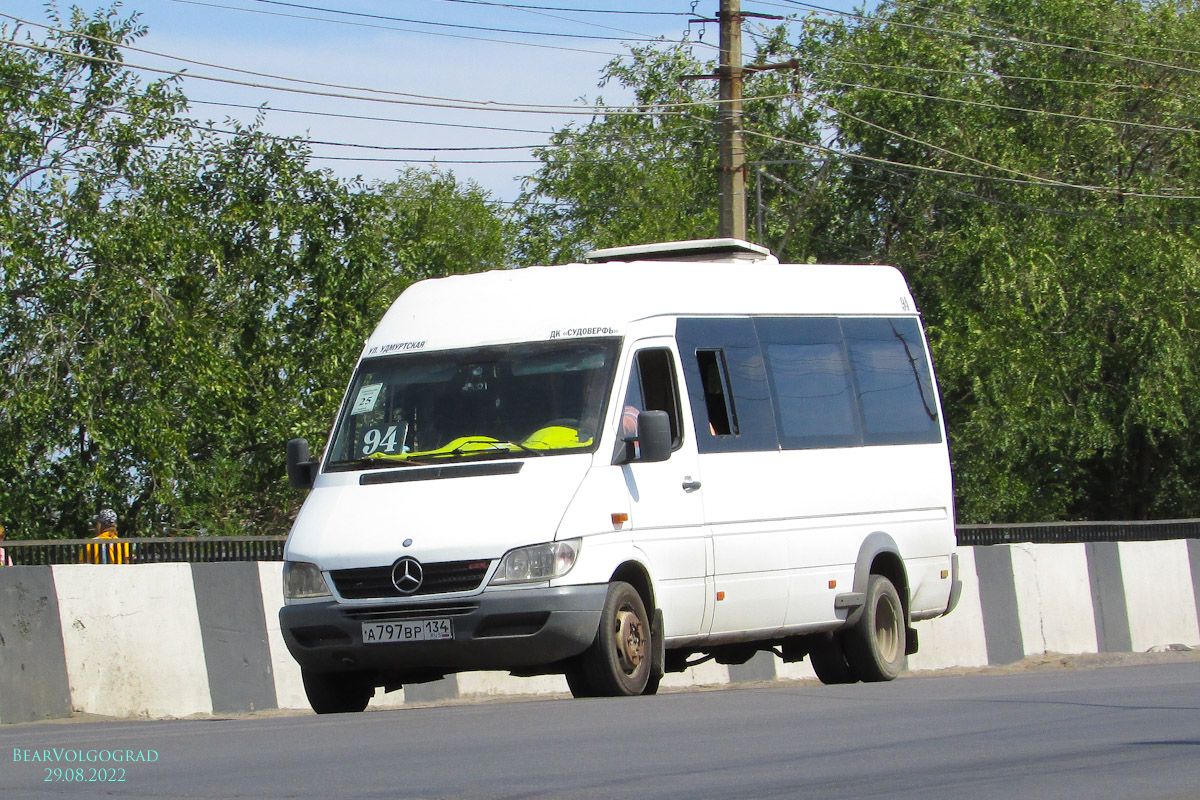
column 506, row 630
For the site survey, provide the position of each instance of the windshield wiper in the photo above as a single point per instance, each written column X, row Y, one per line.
column 526, row 449
column 497, row 447
column 383, row 461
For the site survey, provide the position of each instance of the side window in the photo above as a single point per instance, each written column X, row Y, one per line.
column 895, row 389
column 714, row 375
column 809, row 371
column 726, row 384
column 652, row 388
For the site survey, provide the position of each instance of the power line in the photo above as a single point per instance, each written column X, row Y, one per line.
column 1002, row 39
column 1007, row 40
column 485, row 28
column 465, row 105
column 1058, row 212
column 1019, row 26
column 396, row 28
column 481, row 197
column 209, row 128
column 1004, row 76
column 609, row 11
column 1032, row 181
column 1000, row 107
column 575, row 21
column 307, row 142
column 430, row 100
column 365, row 117
column 638, row 36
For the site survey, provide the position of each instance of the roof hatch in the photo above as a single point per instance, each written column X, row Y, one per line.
column 711, row 250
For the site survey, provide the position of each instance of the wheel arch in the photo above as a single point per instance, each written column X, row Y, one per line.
column 636, row 575
column 880, row 555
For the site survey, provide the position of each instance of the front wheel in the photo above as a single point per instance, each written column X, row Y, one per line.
column 875, row 646
column 618, row 662
column 337, row 692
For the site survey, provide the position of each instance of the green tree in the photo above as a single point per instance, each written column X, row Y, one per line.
column 63, row 152
column 180, row 301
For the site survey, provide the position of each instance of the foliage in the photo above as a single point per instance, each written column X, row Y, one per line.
column 179, row 302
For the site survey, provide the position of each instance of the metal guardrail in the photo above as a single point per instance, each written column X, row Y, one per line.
column 202, row 549
column 1063, row 532
column 156, row 550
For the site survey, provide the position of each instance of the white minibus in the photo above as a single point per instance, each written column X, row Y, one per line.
column 614, row 470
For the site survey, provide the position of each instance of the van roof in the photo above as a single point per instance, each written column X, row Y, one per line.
column 580, row 300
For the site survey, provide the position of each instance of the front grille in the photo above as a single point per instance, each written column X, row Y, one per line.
column 447, row 576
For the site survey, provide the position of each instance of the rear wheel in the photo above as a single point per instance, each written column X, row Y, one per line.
column 337, row 692
column 578, row 683
column 828, row 660
column 618, row 662
column 875, row 645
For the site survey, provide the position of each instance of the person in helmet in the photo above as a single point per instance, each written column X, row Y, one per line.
column 106, row 523
column 101, row 552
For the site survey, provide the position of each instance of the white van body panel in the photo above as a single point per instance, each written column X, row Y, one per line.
column 344, row 525
column 582, row 300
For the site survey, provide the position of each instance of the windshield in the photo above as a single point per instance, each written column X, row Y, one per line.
column 513, row 400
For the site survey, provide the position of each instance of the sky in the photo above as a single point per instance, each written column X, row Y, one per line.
column 470, row 85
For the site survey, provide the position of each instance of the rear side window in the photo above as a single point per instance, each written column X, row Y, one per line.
column 895, row 389
column 811, row 382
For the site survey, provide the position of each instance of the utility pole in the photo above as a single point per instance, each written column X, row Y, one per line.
column 731, row 161
column 731, row 179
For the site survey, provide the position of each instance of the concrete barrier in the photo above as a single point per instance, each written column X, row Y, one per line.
column 172, row 640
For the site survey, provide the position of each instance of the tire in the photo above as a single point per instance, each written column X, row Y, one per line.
column 578, row 682
column 828, row 660
column 580, row 687
column 875, row 645
column 618, row 662
column 337, row 692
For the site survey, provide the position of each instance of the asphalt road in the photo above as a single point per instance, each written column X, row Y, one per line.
column 1131, row 733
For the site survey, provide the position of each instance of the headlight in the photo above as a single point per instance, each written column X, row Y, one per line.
column 538, row 563
column 302, row 579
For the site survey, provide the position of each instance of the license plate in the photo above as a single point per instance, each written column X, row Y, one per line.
column 409, row 630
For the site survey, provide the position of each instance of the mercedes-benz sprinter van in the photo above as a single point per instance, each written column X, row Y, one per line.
column 613, row 469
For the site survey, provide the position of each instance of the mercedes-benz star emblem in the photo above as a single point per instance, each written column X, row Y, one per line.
column 407, row 575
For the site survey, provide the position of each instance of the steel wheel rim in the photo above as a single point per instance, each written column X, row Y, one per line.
column 887, row 631
column 630, row 640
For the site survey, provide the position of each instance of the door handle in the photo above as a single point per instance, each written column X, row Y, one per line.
column 690, row 485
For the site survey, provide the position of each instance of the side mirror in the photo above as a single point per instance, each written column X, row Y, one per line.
column 654, row 436
column 301, row 469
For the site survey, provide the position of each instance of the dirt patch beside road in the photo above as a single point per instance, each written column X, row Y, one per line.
column 1173, row 654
